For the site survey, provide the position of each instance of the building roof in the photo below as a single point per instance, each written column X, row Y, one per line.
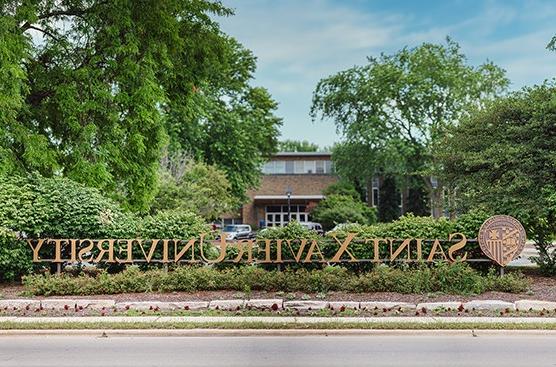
column 303, row 154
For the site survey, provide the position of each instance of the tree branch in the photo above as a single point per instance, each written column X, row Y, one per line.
column 67, row 12
column 28, row 26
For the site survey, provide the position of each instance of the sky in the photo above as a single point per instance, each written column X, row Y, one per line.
column 299, row 42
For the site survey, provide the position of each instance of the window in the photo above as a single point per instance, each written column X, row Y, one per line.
column 268, row 168
column 299, row 167
column 280, row 218
column 279, row 166
column 328, row 167
column 319, row 167
column 376, row 191
column 289, row 167
column 309, row 167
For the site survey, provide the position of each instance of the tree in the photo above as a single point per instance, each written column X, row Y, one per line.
column 393, row 111
column 92, row 90
column 342, row 187
column 552, row 44
column 194, row 187
column 389, row 201
column 501, row 159
column 237, row 135
column 297, row 146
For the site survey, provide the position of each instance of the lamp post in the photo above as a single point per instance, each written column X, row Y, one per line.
column 434, row 185
column 289, row 194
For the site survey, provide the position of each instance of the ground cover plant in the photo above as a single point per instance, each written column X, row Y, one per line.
column 457, row 278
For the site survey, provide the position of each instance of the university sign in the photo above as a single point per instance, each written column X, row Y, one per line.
column 501, row 238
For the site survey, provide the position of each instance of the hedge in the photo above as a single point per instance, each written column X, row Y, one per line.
column 410, row 226
column 15, row 256
column 61, row 208
column 456, row 278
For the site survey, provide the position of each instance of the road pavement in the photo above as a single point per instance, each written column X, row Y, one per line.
column 383, row 349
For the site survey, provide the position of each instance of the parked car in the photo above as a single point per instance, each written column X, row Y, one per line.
column 238, row 232
column 317, row 227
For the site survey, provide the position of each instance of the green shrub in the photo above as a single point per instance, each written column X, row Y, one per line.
column 457, row 278
column 470, row 222
column 514, row 282
column 61, row 208
column 195, row 187
column 410, row 226
column 55, row 207
column 173, row 224
column 291, row 231
column 15, row 256
column 337, row 209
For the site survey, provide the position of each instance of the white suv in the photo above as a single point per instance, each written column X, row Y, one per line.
column 317, row 227
column 238, row 232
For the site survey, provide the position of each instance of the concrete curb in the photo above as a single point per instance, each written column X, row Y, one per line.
column 114, row 333
column 275, row 304
column 280, row 320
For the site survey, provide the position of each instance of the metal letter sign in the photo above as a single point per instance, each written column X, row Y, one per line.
column 501, row 238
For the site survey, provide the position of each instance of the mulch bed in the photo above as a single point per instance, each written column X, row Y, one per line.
column 542, row 288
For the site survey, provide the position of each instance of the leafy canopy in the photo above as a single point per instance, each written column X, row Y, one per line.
column 337, row 209
column 393, row 111
column 93, row 90
column 194, row 187
column 502, row 159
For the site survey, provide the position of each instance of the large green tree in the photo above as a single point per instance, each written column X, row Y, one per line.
column 93, row 90
column 393, row 111
column 502, row 159
column 194, row 187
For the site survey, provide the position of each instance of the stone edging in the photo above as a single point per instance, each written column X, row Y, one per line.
column 271, row 304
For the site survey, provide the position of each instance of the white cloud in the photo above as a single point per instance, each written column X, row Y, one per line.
column 299, row 42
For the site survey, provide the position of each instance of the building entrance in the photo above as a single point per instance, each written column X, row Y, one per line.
column 277, row 215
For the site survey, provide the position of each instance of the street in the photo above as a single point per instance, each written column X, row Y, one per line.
column 428, row 350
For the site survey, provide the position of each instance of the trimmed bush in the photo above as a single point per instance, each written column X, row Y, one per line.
column 15, row 256
column 337, row 209
column 457, row 278
column 61, row 208
column 55, row 207
column 291, row 231
column 410, row 226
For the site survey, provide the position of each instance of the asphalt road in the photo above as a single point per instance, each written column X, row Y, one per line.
column 260, row 351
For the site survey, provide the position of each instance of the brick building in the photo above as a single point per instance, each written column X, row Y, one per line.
column 304, row 175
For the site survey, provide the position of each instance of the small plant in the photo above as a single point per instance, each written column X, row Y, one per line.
column 320, row 295
column 305, row 297
column 247, row 290
column 290, row 296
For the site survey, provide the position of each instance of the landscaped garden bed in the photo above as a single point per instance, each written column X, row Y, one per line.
column 386, row 284
column 456, row 278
